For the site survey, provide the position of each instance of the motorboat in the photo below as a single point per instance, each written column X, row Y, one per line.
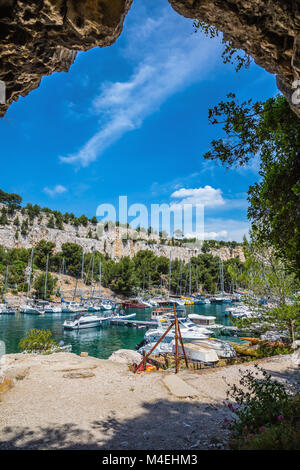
column 5, row 309
column 205, row 320
column 95, row 308
column 52, row 309
column 189, row 332
column 144, row 302
column 220, row 300
column 222, row 348
column 73, row 307
column 83, row 321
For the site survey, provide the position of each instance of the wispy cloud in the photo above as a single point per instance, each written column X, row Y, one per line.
column 165, row 61
column 58, row 189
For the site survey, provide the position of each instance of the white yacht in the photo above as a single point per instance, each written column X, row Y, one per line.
column 83, row 321
column 52, row 309
column 205, row 320
column 222, row 348
column 73, row 307
column 30, row 309
column 189, row 332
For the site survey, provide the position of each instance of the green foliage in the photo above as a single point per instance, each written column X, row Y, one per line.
column 51, row 223
column 10, row 199
column 39, row 286
column 266, row 277
column 41, row 250
column 282, row 437
column 271, row 130
column 260, row 400
column 37, row 341
column 123, row 276
column 266, row 416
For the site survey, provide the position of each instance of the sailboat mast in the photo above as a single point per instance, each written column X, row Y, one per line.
column 5, row 284
column 221, row 275
column 170, row 274
column 100, row 276
column 29, row 275
column 180, row 276
column 92, row 279
column 46, row 275
column 82, row 265
column 190, row 281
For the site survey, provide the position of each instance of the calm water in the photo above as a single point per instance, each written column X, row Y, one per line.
column 99, row 342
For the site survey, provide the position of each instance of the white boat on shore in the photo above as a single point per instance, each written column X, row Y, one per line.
column 201, row 352
column 83, row 321
column 222, row 348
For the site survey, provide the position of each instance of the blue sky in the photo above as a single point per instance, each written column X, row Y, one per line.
column 131, row 119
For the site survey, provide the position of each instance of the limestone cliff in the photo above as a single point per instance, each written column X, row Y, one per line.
column 113, row 241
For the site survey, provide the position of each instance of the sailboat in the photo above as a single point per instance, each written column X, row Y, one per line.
column 4, row 307
column 221, row 298
column 30, row 306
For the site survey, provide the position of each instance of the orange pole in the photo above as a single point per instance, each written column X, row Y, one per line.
column 160, row 339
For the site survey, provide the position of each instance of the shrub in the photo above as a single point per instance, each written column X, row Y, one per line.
column 266, row 416
column 37, row 341
column 259, row 402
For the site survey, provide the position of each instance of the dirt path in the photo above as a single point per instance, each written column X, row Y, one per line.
column 71, row 402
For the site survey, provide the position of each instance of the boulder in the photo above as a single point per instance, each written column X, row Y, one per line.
column 126, row 356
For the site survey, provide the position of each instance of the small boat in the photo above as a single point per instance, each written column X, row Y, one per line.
column 204, row 320
column 95, row 308
column 198, row 352
column 5, row 309
column 84, row 321
column 189, row 332
column 144, row 302
column 123, row 317
column 161, row 348
column 133, row 304
column 220, row 300
column 73, row 307
column 30, row 309
column 52, row 309
column 222, row 348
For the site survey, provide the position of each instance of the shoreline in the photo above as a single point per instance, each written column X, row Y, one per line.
column 64, row 401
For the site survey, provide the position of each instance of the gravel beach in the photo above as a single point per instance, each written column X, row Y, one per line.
column 63, row 401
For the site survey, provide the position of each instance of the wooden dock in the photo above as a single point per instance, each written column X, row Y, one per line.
column 132, row 322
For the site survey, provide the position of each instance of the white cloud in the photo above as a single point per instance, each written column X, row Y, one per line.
column 207, row 196
column 167, row 59
column 225, row 229
column 58, row 189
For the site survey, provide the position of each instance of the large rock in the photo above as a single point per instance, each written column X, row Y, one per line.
column 39, row 37
column 126, row 356
column 269, row 31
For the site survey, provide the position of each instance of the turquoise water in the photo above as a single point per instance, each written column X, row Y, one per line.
column 99, row 342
